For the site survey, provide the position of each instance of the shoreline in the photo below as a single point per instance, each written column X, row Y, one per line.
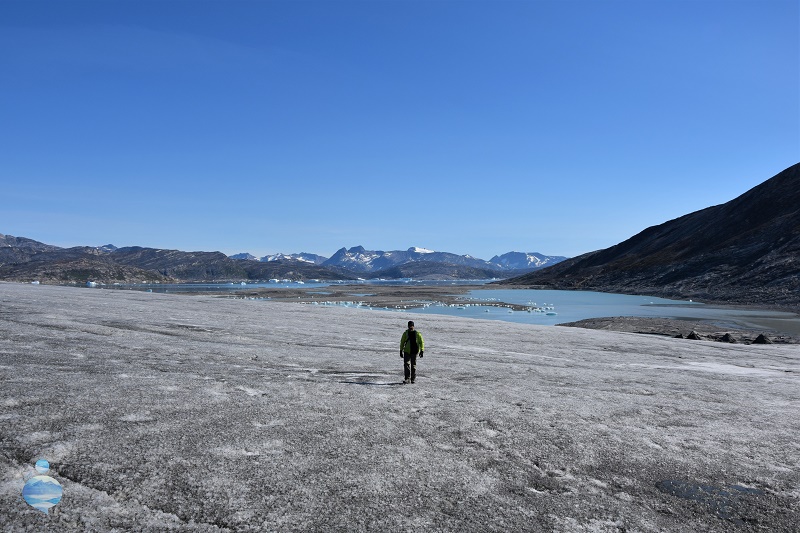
column 400, row 297
column 703, row 330
column 410, row 297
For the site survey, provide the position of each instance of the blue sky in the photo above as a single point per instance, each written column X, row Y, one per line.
column 473, row 127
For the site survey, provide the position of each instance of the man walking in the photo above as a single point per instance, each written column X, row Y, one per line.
column 411, row 344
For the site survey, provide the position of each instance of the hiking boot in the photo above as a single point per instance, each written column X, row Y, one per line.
column 412, row 381
column 406, row 382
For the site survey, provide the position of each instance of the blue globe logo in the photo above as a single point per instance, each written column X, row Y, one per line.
column 42, row 492
column 42, row 466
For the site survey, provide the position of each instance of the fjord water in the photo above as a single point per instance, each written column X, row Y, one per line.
column 567, row 306
column 571, row 306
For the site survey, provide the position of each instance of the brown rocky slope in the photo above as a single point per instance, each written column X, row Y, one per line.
column 744, row 251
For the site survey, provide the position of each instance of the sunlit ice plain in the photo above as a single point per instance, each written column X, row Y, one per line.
column 201, row 413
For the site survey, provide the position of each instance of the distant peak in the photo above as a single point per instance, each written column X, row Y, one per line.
column 419, row 250
column 243, row 255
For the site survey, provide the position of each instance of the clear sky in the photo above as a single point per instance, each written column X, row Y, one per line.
column 472, row 127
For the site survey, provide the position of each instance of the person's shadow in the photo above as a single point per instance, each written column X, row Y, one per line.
column 373, row 383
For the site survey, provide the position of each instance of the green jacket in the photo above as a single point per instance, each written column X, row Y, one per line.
column 405, row 346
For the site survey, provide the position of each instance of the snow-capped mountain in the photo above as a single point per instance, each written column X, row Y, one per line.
column 421, row 250
column 25, row 259
column 244, row 257
column 314, row 259
column 358, row 259
column 523, row 260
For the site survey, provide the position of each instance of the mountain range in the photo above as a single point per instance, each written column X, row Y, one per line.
column 24, row 259
column 360, row 260
column 744, row 251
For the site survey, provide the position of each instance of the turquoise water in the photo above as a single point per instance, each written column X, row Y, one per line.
column 548, row 307
column 558, row 307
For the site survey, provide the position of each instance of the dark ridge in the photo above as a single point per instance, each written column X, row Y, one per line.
column 744, row 251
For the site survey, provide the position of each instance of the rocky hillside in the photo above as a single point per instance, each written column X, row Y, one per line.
column 24, row 259
column 746, row 251
column 20, row 249
column 77, row 271
column 35, row 261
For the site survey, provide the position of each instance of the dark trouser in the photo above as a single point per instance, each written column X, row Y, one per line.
column 410, row 366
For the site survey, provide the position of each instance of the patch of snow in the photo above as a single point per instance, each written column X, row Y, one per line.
column 250, row 391
column 137, row 417
column 229, row 451
column 724, row 368
column 37, row 436
column 59, row 450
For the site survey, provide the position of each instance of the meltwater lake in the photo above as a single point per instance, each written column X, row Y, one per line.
column 543, row 307
column 558, row 307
